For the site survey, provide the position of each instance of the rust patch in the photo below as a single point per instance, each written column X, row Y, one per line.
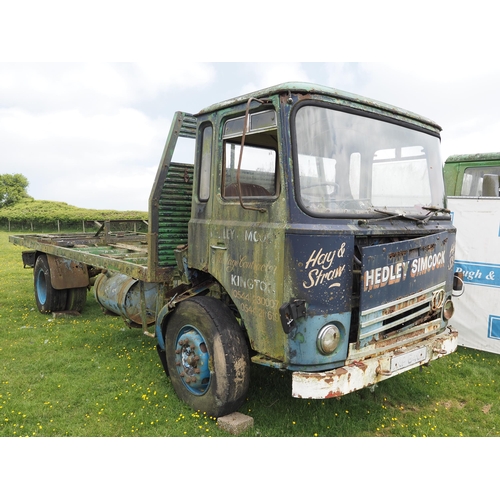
column 336, row 394
column 360, row 365
column 392, row 340
column 65, row 273
column 401, row 254
column 388, row 310
column 340, row 371
column 404, row 305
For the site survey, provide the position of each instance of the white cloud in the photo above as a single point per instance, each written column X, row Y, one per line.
column 108, row 190
column 78, row 132
column 95, row 86
column 481, row 138
column 73, row 157
column 269, row 74
column 345, row 76
column 155, row 77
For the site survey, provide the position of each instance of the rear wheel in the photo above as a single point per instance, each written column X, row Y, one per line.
column 76, row 300
column 207, row 356
column 47, row 298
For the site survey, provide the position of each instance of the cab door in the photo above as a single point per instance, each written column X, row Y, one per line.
column 245, row 222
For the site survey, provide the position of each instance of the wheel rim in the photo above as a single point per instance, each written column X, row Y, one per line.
column 191, row 360
column 41, row 287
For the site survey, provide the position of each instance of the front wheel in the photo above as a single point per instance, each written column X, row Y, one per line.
column 207, row 356
column 47, row 298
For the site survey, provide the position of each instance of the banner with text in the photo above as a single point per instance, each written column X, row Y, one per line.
column 477, row 310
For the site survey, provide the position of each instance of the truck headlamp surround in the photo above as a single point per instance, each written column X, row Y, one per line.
column 328, row 339
column 448, row 309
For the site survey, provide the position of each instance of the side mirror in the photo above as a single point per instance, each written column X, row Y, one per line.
column 458, row 283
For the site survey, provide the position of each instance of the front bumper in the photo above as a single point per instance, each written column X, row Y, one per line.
column 364, row 373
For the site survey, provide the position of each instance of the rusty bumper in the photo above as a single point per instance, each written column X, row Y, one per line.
column 363, row 373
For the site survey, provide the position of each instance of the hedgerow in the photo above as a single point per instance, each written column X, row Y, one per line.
column 40, row 214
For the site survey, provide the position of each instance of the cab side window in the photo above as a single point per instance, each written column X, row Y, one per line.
column 205, row 163
column 482, row 182
column 258, row 170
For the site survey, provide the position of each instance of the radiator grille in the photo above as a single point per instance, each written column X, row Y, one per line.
column 400, row 314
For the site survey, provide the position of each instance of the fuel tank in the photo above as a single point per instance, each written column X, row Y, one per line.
column 121, row 295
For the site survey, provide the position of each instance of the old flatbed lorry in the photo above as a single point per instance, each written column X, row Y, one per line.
column 310, row 235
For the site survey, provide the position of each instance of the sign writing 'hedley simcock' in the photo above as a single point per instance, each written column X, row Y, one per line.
column 394, row 273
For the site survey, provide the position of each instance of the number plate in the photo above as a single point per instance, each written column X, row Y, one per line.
column 408, row 359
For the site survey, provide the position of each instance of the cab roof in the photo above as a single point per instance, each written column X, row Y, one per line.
column 473, row 157
column 321, row 90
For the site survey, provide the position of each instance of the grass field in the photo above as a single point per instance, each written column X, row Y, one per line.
column 92, row 376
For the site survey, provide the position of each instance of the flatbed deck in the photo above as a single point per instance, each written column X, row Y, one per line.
column 125, row 253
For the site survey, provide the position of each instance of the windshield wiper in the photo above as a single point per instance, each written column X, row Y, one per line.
column 390, row 215
column 393, row 215
column 432, row 211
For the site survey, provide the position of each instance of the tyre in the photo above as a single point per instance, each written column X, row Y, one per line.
column 48, row 299
column 76, row 300
column 207, row 356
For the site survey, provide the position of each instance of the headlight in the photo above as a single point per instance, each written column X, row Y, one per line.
column 448, row 309
column 328, row 339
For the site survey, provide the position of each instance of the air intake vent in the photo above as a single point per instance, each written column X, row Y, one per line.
column 174, row 211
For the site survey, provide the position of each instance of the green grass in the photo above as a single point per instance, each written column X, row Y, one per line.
column 92, row 376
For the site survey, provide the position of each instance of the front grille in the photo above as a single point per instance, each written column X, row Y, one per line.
column 399, row 315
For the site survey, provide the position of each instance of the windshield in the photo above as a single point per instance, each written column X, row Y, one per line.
column 349, row 163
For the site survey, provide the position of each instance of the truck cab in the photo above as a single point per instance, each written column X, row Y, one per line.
column 320, row 217
column 473, row 175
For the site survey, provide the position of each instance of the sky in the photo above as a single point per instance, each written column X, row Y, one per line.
column 91, row 134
